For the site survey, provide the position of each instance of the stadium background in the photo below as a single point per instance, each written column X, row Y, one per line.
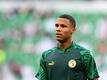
column 27, row 29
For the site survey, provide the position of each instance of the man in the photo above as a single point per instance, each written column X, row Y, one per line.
column 67, row 61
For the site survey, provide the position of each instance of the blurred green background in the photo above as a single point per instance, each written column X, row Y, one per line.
column 27, row 29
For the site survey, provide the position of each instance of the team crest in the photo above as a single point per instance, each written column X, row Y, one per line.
column 72, row 63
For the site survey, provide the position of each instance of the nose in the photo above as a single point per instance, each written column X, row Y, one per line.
column 58, row 28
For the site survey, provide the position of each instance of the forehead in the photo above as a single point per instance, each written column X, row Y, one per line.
column 62, row 21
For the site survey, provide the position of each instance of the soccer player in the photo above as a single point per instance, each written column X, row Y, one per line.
column 68, row 60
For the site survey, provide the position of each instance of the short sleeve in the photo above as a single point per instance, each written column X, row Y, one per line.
column 89, row 66
column 42, row 73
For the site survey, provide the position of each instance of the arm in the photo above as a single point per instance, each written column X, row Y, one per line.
column 42, row 73
column 95, row 78
column 89, row 66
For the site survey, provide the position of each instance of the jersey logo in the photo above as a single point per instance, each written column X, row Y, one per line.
column 72, row 63
column 51, row 63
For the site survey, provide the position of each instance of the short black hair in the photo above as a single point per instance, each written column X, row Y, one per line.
column 70, row 18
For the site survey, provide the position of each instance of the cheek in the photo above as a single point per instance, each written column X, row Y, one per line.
column 68, row 32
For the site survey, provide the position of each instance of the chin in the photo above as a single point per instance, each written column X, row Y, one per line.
column 59, row 40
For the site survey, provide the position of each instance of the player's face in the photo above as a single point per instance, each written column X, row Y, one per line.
column 63, row 29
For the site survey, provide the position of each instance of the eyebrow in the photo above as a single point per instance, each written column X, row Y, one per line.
column 60, row 25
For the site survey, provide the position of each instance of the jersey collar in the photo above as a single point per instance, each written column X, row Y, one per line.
column 72, row 46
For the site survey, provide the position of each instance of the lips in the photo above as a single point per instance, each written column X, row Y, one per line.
column 58, row 34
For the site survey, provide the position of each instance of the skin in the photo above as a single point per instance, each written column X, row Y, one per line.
column 96, row 79
column 64, row 30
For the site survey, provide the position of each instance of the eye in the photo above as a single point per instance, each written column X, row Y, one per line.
column 63, row 26
column 56, row 25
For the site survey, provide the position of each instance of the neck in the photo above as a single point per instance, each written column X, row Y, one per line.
column 64, row 45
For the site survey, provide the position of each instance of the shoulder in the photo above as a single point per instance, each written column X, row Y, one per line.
column 83, row 50
column 47, row 52
column 86, row 54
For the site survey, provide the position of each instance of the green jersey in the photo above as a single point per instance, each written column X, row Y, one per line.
column 73, row 63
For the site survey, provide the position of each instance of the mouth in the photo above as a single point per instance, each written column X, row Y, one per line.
column 58, row 34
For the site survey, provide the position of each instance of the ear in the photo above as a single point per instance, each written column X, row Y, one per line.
column 73, row 29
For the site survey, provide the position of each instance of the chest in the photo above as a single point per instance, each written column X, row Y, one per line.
column 70, row 60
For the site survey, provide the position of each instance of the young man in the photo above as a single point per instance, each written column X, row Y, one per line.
column 67, row 61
